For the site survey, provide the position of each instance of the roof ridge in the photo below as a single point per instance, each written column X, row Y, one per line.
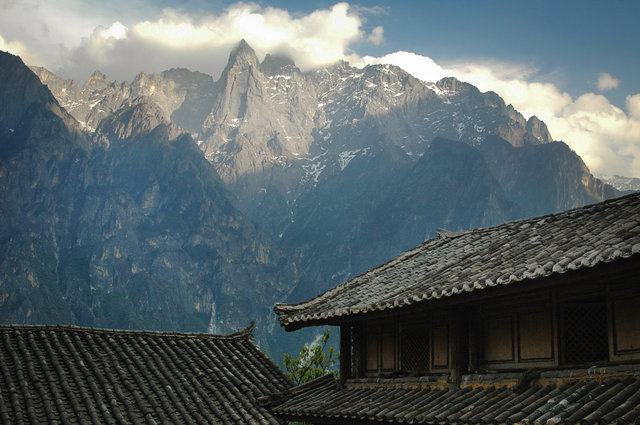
column 444, row 233
column 246, row 332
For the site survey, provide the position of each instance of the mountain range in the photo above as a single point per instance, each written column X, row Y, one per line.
column 176, row 201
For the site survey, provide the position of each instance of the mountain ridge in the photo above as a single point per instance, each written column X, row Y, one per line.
column 243, row 60
column 275, row 134
column 134, row 229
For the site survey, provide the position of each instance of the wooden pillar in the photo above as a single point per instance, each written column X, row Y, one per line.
column 459, row 347
column 345, row 352
column 473, row 325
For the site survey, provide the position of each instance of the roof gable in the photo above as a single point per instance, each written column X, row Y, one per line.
column 456, row 263
column 66, row 374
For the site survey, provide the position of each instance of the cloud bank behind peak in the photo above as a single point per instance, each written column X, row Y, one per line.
column 202, row 42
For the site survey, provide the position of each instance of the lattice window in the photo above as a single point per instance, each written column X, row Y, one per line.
column 414, row 349
column 585, row 331
column 356, row 353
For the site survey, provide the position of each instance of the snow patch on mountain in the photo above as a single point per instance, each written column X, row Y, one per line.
column 621, row 182
column 344, row 158
column 314, row 170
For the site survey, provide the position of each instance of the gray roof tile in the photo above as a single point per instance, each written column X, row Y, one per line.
column 568, row 399
column 69, row 375
column 456, row 263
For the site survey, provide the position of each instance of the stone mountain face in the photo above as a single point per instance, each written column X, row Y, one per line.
column 544, row 178
column 383, row 204
column 182, row 95
column 253, row 126
column 132, row 229
column 311, row 125
column 269, row 127
column 623, row 184
column 42, row 158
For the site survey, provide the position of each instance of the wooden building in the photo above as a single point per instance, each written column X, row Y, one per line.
column 73, row 375
column 533, row 321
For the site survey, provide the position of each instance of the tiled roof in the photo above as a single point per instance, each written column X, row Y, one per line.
column 592, row 399
column 72, row 375
column 457, row 263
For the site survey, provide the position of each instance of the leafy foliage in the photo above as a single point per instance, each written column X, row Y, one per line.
column 312, row 362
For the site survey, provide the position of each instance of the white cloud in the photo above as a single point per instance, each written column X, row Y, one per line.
column 419, row 66
column 47, row 29
column 511, row 82
column 607, row 81
column 606, row 137
column 123, row 47
column 377, row 35
column 19, row 49
column 633, row 105
column 104, row 40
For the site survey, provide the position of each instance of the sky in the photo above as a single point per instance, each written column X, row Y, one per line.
column 573, row 64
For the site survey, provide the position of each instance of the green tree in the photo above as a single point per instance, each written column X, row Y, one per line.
column 312, row 362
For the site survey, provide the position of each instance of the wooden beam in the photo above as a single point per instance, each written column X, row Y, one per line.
column 473, row 325
column 345, row 353
column 459, row 347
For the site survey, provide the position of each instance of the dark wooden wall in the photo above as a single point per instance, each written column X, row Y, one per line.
column 583, row 323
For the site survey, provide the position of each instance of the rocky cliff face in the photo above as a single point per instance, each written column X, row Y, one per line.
column 544, row 178
column 43, row 158
column 383, row 204
column 182, row 95
column 258, row 122
column 269, row 127
column 132, row 229
column 621, row 183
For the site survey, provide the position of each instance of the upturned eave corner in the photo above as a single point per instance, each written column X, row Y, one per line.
column 286, row 315
column 245, row 333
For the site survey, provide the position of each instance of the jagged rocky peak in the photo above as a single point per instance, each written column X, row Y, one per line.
column 515, row 115
column 53, row 81
column 452, row 86
column 243, row 56
column 161, row 90
column 469, row 95
column 143, row 79
column 31, row 120
column 19, row 89
column 67, row 92
column 135, row 120
column 537, row 131
column 97, row 81
column 277, row 65
column 624, row 184
column 186, row 77
column 151, row 84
